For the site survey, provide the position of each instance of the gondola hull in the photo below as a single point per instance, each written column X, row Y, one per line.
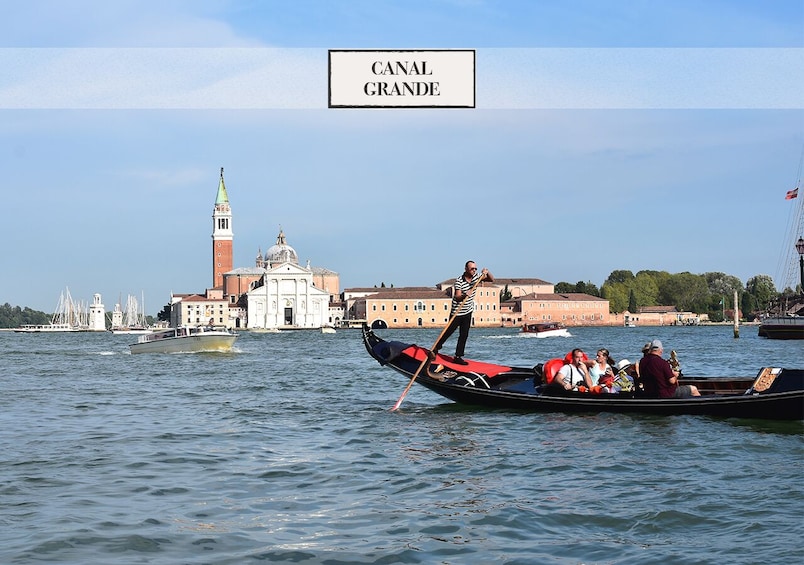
column 498, row 386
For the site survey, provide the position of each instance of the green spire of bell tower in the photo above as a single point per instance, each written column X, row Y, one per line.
column 222, row 197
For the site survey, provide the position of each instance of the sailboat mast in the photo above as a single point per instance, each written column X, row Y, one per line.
column 788, row 266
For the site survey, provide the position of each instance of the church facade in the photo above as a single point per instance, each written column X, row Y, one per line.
column 285, row 297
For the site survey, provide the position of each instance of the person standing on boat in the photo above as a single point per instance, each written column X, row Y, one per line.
column 575, row 374
column 463, row 306
column 658, row 377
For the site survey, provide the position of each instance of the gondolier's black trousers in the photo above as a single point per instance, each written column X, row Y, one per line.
column 464, row 323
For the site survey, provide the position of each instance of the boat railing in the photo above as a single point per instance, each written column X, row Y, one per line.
column 209, row 328
column 162, row 334
column 182, row 331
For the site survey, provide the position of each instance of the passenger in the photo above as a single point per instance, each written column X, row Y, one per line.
column 601, row 371
column 575, row 374
column 635, row 372
column 645, row 351
column 658, row 377
column 624, row 380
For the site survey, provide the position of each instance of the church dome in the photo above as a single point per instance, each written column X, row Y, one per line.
column 281, row 252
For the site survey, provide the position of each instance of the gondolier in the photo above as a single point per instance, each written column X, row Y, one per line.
column 463, row 306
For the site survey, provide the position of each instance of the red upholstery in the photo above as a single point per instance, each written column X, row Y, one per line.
column 550, row 369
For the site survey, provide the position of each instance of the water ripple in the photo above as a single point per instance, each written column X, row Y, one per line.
column 286, row 451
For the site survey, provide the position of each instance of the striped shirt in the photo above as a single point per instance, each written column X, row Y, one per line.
column 468, row 304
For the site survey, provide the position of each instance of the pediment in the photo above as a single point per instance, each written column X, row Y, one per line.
column 287, row 269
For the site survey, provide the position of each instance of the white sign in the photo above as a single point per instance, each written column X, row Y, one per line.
column 427, row 78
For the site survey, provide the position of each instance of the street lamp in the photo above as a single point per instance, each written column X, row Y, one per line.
column 800, row 249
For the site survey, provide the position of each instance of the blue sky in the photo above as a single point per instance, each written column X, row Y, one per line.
column 607, row 135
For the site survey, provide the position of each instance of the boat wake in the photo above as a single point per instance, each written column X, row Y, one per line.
column 522, row 335
column 540, row 336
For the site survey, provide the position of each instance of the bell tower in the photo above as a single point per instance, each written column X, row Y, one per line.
column 222, row 236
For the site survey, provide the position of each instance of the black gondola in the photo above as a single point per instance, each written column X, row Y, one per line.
column 775, row 394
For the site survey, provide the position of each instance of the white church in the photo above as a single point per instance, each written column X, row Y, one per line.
column 285, row 295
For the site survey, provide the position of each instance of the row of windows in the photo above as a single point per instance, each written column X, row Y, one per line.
column 592, row 317
column 546, row 317
column 419, row 307
column 420, row 321
column 573, row 305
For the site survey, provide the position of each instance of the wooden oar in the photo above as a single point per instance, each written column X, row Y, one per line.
column 426, row 357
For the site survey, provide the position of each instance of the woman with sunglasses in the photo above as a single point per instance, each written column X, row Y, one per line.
column 602, row 369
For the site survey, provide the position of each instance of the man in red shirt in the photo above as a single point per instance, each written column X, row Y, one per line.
column 658, row 377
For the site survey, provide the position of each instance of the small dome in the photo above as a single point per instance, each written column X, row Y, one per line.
column 281, row 252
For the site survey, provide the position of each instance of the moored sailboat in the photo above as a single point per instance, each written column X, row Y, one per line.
column 132, row 321
column 786, row 319
column 69, row 316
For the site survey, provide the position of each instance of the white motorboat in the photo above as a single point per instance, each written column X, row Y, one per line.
column 45, row 328
column 186, row 339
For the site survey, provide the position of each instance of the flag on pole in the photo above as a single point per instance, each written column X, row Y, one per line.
column 791, row 194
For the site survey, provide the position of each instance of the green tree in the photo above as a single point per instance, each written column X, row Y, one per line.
column 617, row 295
column 722, row 284
column 587, row 287
column 646, row 290
column 663, row 294
column 748, row 307
column 632, row 303
column 762, row 289
column 715, row 311
column 164, row 315
column 563, row 288
column 14, row 316
column 506, row 295
column 621, row 276
column 580, row 287
column 687, row 292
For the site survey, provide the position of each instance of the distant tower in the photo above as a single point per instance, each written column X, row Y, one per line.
column 97, row 315
column 222, row 236
column 117, row 317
